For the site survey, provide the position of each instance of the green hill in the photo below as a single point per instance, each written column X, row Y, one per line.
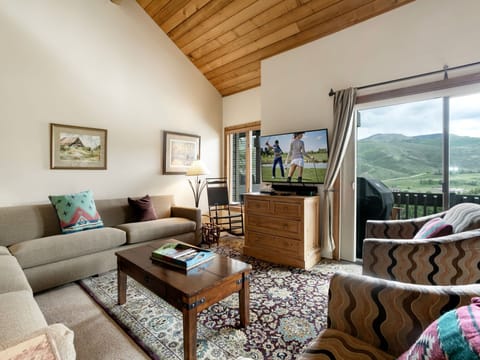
column 395, row 157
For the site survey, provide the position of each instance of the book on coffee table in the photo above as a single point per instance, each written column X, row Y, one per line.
column 181, row 255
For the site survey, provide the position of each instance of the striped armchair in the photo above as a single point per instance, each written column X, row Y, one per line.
column 376, row 319
column 390, row 252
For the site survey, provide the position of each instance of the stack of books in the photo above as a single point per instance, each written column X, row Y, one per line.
column 181, row 255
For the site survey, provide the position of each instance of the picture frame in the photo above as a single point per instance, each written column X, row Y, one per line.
column 179, row 151
column 77, row 147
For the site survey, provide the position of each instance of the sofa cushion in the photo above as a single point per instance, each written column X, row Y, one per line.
column 12, row 277
column 157, row 229
column 434, row 228
column 142, row 208
column 334, row 344
column 76, row 212
column 19, row 317
column 62, row 247
column 455, row 335
column 34, row 220
column 463, row 217
column 117, row 211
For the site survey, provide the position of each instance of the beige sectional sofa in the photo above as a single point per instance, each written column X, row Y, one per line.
column 35, row 255
column 49, row 258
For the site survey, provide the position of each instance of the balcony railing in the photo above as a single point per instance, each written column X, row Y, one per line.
column 411, row 205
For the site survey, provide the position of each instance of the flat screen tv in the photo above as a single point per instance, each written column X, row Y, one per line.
column 295, row 157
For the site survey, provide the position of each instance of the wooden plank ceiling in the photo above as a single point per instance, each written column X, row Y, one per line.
column 227, row 39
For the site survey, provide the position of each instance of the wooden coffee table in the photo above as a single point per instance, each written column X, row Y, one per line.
column 190, row 292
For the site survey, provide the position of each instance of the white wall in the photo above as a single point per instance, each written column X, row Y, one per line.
column 419, row 37
column 98, row 64
column 241, row 108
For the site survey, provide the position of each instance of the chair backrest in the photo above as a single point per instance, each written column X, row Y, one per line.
column 217, row 191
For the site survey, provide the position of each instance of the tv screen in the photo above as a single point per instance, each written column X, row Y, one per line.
column 296, row 157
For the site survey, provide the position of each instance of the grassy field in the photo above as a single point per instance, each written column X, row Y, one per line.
column 312, row 172
column 79, row 153
column 316, row 174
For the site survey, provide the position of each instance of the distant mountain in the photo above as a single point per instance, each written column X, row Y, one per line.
column 387, row 156
column 387, row 137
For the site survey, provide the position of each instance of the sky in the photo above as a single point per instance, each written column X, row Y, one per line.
column 422, row 117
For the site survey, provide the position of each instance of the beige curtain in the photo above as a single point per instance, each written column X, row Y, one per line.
column 343, row 104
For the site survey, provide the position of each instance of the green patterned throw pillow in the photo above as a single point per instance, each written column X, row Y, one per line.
column 76, row 212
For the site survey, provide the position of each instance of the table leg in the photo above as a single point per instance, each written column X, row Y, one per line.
column 244, row 295
column 190, row 334
column 122, row 287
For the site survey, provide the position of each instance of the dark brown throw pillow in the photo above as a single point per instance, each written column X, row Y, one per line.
column 142, row 208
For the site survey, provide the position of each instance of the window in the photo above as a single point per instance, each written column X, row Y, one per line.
column 427, row 152
column 242, row 155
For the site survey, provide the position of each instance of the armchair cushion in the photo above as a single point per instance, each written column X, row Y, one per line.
column 446, row 260
column 463, row 217
column 334, row 344
column 388, row 316
column 455, row 335
column 434, row 228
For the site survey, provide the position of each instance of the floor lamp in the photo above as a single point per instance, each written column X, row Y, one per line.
column 197, row 169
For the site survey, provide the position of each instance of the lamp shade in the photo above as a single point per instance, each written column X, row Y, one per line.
column 197, row 168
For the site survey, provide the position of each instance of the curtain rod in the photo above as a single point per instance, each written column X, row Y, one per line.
column 444, row 70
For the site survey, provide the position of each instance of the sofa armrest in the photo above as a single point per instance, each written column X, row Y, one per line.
column 446, row 260
column 374, row 310
column 60, row 340
column 397, row 229
column 194, row 214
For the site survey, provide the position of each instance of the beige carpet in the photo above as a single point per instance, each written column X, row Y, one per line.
column 97, row 337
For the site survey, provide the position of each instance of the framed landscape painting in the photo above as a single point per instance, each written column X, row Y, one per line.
column 179, row 151
column 77, row 147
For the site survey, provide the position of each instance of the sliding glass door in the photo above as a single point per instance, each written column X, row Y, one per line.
column 238, row 169
column 242, row 154
column 427, row 147
column 425, row 153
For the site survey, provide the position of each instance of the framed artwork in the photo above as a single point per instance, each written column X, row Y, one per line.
column 179, row 151
column 77, row 147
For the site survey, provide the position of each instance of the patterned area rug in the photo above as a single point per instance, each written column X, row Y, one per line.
column 287, row 310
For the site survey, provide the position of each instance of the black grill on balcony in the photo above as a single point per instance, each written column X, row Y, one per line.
column 374, row 202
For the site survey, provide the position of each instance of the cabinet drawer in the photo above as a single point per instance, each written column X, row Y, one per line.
column 278, row 226
column 274, row 244
column 259, row 206
column 287, row 209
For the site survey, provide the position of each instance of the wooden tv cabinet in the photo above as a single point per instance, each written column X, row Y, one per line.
column 283, row 229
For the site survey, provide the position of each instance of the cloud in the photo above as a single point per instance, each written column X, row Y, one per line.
column 423, row 117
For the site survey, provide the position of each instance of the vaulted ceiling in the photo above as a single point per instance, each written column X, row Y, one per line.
column 227, row 39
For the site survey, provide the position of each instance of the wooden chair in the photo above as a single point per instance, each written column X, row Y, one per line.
column 227, row 215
